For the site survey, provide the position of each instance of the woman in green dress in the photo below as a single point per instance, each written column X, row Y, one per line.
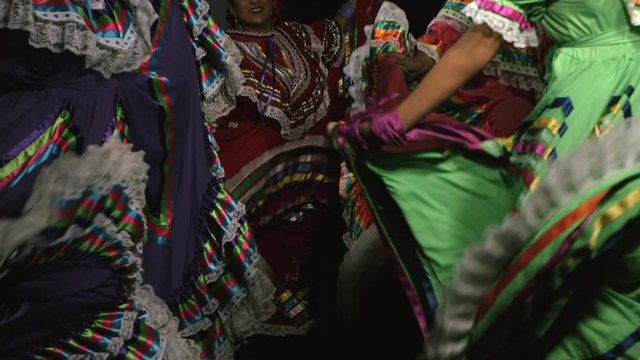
column 563, row 265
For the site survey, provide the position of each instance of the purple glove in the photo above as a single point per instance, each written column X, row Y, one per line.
column 386, row 126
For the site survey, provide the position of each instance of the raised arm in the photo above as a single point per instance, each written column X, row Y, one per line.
column 463, row 61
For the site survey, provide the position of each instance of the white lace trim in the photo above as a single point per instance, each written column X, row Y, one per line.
column 611, row 155
column 428, row 50
column 509, row 29
column 245, row 312
column 634, row 14
column 66, row 31
column 353, row 69
column 165, row 323
column 233, row 227
column 518, row 77
column 220, row 97
column 289, row 133
column 455, row 19
column 392, row 12
column 98, row 169
column 286, row 131
column 248, row 310
column 96, row 356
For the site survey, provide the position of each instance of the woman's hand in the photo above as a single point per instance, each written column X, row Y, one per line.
column 416, row 65
column 365, row 129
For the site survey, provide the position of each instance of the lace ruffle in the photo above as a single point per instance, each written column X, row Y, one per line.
column 573, row 176
column 161, row 319
column 291, row 128
column 518, row 77
column 66, row 31
column 508, row 73
column 248, row 311
column 455, row 19
column 355, row 68
column 510, row 30
column 286, row 131
column 391, row 12
column 99, row 169
column 219, row 97
column 428, row 50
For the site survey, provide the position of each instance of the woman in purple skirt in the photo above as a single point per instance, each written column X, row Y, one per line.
column 117, row 237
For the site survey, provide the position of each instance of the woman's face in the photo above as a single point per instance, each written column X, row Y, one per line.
column 252, row 15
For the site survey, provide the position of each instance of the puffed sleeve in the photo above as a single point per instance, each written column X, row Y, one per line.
column 218, row 60
column 445, row 29
column 331, row 40
column 513, row 19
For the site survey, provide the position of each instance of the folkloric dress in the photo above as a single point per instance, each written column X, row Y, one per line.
column 558, row 280
column 279, row 161
column 117, row 236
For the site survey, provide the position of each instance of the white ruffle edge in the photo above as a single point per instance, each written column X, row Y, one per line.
column 69, row 177
column 67, row 32
column 98, row 169
column 245, row 313
column 614, row 154
column 286, row 130
column 353, row 69
column 510, row 30
column 518, row 77
column 249, row 308
column 428, row 50
column 219, row 98
column 165, row 323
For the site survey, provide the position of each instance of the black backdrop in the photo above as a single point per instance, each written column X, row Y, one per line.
column 419, row 12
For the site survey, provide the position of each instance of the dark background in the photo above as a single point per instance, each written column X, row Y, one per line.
column 419, row 12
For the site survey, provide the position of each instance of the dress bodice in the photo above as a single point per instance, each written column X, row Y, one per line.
column 574, row 22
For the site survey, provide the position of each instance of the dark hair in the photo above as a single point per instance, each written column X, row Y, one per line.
column 231, row 20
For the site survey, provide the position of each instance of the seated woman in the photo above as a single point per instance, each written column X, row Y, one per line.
column 496, row 101
column 563, row 272
column 117, row 236
column 277, row 157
